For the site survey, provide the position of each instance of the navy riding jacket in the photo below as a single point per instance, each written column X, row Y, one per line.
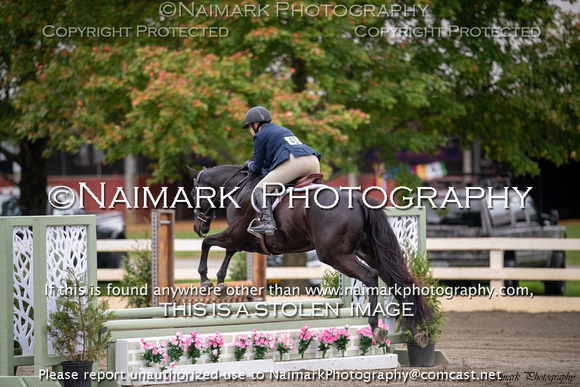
column 273, row 145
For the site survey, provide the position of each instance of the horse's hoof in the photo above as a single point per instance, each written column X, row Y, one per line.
column 421, row 339
column 207, row 284
column 220, row 291
column 380, row 335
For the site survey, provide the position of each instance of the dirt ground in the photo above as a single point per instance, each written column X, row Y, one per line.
column 530, row 349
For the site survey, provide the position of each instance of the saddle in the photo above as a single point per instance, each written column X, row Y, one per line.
column 313, row 178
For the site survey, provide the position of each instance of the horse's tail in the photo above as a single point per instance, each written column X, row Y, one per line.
column 392, row 267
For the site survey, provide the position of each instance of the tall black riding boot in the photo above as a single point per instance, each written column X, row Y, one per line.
column 268, row 226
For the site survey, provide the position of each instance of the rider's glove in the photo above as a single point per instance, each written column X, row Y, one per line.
column 246, row 165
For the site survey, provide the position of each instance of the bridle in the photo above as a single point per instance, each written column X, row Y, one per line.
column 204, row 216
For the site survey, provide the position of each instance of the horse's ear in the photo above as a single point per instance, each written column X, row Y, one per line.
column 192, row 171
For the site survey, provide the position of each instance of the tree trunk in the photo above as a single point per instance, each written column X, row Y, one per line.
column 299, row 77
column 33, row 181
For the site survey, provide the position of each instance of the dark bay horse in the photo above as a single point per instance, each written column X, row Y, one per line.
column 339, row 235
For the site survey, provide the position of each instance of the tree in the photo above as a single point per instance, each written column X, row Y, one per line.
column 346, row 78
column 518, row 95
column 34, row 123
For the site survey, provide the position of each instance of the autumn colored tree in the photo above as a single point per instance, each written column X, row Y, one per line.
column 162, row 97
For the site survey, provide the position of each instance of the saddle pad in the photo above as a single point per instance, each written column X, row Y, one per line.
column 286, row 192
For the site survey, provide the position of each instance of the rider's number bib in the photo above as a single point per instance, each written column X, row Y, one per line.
column 292, row 140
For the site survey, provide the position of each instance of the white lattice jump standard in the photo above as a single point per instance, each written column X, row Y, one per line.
column 36, row 253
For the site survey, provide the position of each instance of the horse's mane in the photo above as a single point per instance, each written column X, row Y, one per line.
column 228, row 165
column 253, row 176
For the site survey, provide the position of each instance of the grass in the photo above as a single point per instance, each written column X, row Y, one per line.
column 537, row 288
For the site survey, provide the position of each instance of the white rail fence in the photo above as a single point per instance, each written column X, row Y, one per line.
column 496, row 273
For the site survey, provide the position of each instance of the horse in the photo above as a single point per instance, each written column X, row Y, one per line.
column 338, row 231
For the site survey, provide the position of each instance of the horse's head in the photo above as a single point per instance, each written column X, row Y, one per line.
column 205, row 211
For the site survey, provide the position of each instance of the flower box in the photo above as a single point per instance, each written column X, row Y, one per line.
column 266, row 369
column 317, row 357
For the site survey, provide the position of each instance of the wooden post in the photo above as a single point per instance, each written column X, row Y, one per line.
column 259, row 274
column 163, row 252
column 496, row 263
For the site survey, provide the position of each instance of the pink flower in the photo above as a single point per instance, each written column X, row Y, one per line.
column 381, row 325
column 155, row 352
column 172, row 364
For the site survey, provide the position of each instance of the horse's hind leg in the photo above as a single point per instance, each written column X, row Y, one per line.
column 350, row 266
column 202, row 269
column 420, row 337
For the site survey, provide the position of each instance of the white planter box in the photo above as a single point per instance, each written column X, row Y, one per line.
column 260, row 369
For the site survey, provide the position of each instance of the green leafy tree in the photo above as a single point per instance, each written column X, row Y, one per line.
column 137, row 275
column 77, row 327
column 517, row 95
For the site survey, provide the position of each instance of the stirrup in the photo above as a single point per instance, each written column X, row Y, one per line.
column 261, row 234
column 249, row 229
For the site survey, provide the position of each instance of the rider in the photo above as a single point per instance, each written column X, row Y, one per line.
column 281, row 156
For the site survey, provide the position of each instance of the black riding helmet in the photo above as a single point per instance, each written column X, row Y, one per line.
column 257, row 114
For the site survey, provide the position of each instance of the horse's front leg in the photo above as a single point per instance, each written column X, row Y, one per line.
column 223, row 239
column 202, row 269
column 221, row 288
